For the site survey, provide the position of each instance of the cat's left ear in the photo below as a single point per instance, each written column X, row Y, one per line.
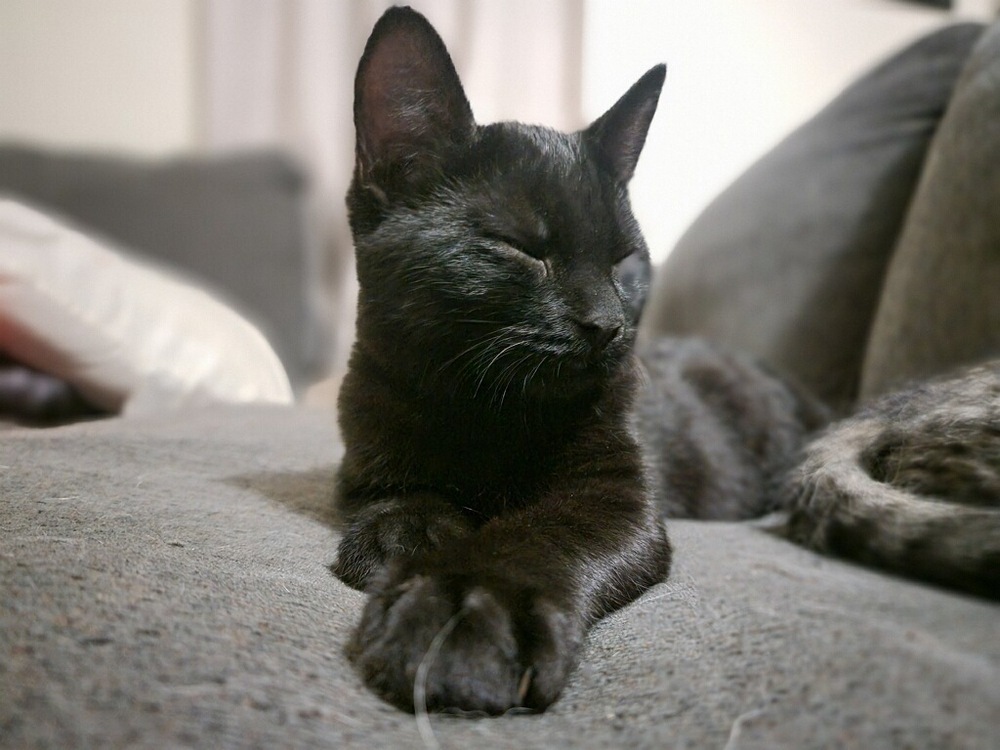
column 620, row 133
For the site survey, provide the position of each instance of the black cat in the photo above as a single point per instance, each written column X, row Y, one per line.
column 497, row 498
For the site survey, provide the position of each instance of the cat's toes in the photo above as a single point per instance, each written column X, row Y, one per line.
column 444, row 642
column 390, row 530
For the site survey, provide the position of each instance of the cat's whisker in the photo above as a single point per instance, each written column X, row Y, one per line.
column 475, row 368
column 420, row 679
column 496, row 358
column 515, row 368
column 531, row 375
column 466, row 352
column 638, row 371
column 508, row 374
column 484, row 343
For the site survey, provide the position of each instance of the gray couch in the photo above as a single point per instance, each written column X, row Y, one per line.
column 164, row 578
column 862, row 251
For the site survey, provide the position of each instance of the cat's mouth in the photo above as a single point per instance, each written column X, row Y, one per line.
column 532, row 366
column 606, row 355
column 593, row 364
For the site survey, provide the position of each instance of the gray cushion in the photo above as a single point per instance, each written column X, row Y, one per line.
column 941, row 304
column 787, row 263
column 164, row 584
column 235, row 223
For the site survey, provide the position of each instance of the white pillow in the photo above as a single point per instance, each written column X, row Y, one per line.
column 127, row 336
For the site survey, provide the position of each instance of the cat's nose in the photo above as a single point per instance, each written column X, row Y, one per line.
column 598, row 333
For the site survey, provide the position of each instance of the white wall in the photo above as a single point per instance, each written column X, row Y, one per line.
column 103, row 74
column 740, row 75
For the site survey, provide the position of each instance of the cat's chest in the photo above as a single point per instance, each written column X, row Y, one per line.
column 401, row 442
column 471, row 454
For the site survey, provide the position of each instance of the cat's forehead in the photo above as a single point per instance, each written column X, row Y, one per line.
column 537, row 180
column 561, row 148
column 533, row 148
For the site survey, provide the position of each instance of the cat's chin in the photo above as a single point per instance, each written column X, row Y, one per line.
column 576, row 377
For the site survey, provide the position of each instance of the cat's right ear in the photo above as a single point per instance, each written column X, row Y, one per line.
column 408, row 101
column 620, row 133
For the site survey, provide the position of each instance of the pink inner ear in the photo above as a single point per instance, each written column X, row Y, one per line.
column 389, row 77
column 408, row 95
column 375, row 124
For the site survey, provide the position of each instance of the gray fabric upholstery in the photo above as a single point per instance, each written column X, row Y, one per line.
column 164, row 585
column 787, row 263
column 941, row 303
column 236, row 223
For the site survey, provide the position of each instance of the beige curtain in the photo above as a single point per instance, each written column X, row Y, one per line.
column 281, row 73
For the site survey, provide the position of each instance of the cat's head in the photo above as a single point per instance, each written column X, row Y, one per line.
column 489, row 257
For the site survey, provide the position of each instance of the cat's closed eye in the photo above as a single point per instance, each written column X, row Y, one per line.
column 520, row 253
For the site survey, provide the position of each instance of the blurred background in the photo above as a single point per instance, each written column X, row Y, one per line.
column 158, row 79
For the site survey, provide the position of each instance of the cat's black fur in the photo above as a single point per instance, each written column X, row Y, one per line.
column 501, row 489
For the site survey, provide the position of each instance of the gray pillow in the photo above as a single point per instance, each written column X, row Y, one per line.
column 941, row 304
column 234, row 222
column 787, row 263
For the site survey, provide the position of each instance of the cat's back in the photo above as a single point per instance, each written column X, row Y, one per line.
column 716, row 428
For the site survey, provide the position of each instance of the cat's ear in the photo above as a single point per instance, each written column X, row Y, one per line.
column 408, row 100
column 620, row 133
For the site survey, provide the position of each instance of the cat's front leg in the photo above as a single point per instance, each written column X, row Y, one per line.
column 395, row 527
column 495, row 620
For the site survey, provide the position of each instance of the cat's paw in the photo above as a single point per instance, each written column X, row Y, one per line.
column 391, row 529
column 440, row 642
